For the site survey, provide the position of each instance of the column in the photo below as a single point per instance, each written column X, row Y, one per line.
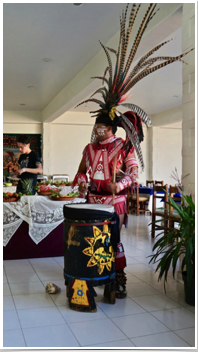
column 188, row 75
column 46, row 148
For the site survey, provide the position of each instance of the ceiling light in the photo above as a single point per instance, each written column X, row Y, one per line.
column 175, row 96
column 22, row 104
column 31, row 87
column 77, row 4
column 47, row 60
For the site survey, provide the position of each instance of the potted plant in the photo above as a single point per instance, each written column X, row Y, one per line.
column 178, row 243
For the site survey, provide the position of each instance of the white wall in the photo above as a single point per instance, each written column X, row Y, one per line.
column 166, row 145
column 22, row 122
column 167, row 152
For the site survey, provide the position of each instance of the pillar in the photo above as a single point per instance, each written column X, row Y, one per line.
column 188, row 75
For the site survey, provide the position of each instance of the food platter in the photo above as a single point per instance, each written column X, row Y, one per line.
column 10, row 200
column 61, row 198
column 12, row 178
column 44, row 193
column 10, row 197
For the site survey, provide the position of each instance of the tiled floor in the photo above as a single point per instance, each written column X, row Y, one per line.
column 146, row 318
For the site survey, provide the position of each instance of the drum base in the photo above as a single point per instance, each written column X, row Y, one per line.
column 109, row 292
column 81, row 293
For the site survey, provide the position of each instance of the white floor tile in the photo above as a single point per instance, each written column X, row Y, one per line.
column 155, row 302
column 34, row 300
column 131, row 279
column 122, row 307
column 52, row 275
column 6, row 290
column 72, row 316
column 22, row 277
column 140, row 289
column 187, row 335
column 98, row 331
column 4, row 278
column 139, row 320
column 13, row 338
column 25, row 288
column 121, row 343
column 59, row 260
column 40, row 317
column 139, row 325
column 131, row 260
column 15, row 262
column 50, row 336
column 47, row 260
column 165, row 339
column 178, row 296
column 10, row 320
column 171, row 285
column 60, row 298
column 8, row 303
column 26, row 268
column 138, row 268
column 177, row 318
column 148, row 276
column 46, row 267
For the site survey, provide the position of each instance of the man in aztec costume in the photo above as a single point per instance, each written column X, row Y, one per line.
column 109, row 161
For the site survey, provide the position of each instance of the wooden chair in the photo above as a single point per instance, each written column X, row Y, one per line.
column 159, row 183
column 134, row 201
column 162, row 213
column 149, row 183
column 173, row 217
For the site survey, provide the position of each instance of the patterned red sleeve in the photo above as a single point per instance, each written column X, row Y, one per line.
column 80, row 177
column 129, row 174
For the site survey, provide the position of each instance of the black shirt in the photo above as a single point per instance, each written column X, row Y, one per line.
column 31, row 161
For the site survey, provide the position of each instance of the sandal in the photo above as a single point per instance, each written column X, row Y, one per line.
column 120, row 292
column 120, row 285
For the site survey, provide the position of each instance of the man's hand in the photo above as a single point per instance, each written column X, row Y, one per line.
column 82, row 188
column 114, row 188
column 19, row 172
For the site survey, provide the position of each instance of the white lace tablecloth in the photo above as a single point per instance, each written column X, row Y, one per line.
column 41, row 213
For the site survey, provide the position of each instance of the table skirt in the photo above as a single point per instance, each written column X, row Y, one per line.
column 21, row 245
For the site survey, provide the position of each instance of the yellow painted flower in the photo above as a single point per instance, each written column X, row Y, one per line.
column 101, row 253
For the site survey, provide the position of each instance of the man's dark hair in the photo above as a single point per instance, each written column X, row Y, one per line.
column 114, row 129
column 23, row 138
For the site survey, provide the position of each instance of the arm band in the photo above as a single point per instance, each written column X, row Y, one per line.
column 79, row 178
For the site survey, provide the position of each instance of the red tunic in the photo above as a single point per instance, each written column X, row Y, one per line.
column 100, row 158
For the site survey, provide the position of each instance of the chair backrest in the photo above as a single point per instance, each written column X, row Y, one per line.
column 149, row 183
column 133, row 197
column 162, row 194
column 173, row 190
column 159, row 183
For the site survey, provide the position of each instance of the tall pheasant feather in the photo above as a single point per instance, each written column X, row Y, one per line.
column 122, row 78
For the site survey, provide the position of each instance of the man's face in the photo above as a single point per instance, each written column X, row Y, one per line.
column 100, row 131
column 23, row 148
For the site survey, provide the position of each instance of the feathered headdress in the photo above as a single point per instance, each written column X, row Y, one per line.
column 116, row 87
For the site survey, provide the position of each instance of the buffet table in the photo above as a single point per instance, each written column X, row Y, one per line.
column 33, row 227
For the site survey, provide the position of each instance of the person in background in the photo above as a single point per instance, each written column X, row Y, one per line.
column 29, row 161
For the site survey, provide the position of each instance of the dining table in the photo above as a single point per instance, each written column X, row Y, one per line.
column 146, row 191
column 33, row 226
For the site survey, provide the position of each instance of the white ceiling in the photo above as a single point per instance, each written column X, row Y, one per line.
column 69, row 36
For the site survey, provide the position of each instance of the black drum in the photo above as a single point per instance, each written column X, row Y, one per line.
column 91, row 234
